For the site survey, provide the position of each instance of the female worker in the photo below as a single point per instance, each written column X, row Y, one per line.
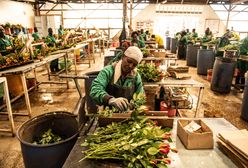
column 116, row 83
column 35, row 35
column 51, row 42
column 136, row 41
column 6, row 46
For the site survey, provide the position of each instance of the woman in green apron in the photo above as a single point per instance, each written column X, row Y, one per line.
column 51, row 42
column 116, row 83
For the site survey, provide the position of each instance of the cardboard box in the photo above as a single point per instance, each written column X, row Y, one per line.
column 202, row 139
column 159, row 53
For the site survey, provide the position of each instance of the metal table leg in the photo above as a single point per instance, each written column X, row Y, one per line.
column 66, row 69
column 199, row 101
column 25, row 90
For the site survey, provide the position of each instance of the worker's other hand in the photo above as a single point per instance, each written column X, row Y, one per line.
column 120, row 103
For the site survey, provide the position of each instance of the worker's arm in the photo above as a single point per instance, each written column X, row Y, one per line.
column 98, row 88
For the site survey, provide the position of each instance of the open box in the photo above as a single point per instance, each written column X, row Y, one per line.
column 159, row 53
column 202, row 139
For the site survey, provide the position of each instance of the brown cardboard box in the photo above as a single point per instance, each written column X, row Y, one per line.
column 159, row 54
column 202, row 139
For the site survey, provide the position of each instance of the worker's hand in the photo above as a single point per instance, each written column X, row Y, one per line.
column 120, row 103
column 9, row 48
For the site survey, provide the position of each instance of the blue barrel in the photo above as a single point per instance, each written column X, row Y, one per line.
column 223, row 72
column 191, row 55
column 205, row 61
column 167, row 41
column 244, row 107
column 173, row 45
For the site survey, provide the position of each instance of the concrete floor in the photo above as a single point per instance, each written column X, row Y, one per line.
column 49, row 98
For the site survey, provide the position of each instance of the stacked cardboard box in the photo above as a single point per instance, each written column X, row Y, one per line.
column 234, row 145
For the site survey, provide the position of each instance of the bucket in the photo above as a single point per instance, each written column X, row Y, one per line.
column 209, row 75
column 49, row 155
column 191, row 55
column 244, row 107
column 91, row 105
column 223, row 72
column 173, row 45
column 205, row 60
column 167, row 41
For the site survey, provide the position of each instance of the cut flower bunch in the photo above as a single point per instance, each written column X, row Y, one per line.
column 138, row 142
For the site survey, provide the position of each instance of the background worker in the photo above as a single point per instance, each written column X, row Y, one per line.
column 207, row 36
column 159, row 40
column 116, row 83
column 60, row 31
column 35, row 35
column 136, row 41
column 120, row 54
column 51, row 42
column 182, row 45
column 6, row 45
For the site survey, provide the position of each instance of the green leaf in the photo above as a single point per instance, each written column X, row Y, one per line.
column 126, row 147
column 139, row 157
column 152, row 151
column 161, row 166
column 145, row 132
column 142, row 142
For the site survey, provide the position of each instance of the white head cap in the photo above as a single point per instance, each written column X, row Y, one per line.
column 134, row 52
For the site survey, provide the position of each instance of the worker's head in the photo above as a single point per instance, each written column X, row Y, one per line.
column 183, row 33
column 132, row 56
column 1, row 31
column 207, row 31
column 35, row 29
column 125, row 45
column 50, row 31
column 134, row 35
column 193, row 30
column 153, row 36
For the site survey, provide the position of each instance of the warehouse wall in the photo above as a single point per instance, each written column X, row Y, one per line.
column 16, row 13
column 162, row 22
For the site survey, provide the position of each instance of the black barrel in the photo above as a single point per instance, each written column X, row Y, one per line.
column 91, row 105
column 173, row 45
column 205, row 60
column 191, row 55
column 244, row 107
column 223, row 72
column 52, row 155
column 167, row 41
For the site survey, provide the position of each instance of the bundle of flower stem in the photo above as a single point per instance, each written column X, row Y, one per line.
column 138, row 142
